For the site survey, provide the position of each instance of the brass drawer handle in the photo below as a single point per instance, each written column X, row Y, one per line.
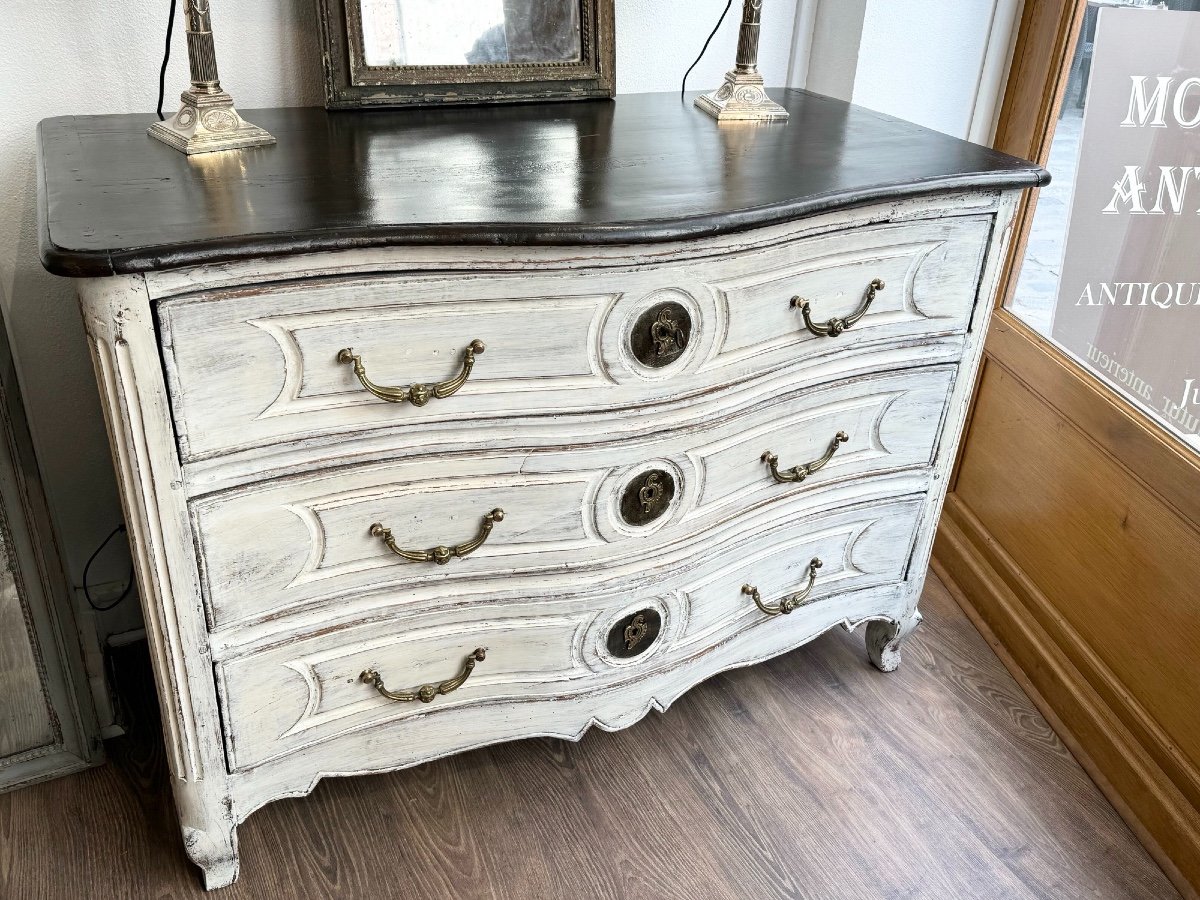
column 441, row 555
column 426, row 692
column 799, row 473
column 836, row 325
column 791, row 602
column 416, row 394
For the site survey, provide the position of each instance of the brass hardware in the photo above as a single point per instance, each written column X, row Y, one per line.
column 661, row 334
column 635, row 631
column 650, row 492
column 416, row 394
column 666, row 334
column 426, row 692
column 635, row 634
column 441, row 555
column 836, row 325
column 789, row 603
column 648, row 497
column 799, row 473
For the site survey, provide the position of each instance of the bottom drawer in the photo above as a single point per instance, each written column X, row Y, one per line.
column 559, row 641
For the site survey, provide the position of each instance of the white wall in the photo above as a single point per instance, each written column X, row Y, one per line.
column 658, row 39
column 937, row 38
column 62, row 57
column 832, row 64
column 940, row 64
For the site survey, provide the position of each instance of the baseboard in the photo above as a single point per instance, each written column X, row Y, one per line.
column 1001, row 602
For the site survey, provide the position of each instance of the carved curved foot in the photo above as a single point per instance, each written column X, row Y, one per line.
column 883, row 640
column 215, row 854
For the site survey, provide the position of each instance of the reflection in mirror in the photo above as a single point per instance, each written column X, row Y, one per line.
column 469, row 32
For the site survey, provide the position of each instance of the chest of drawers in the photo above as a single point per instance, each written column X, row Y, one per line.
column 422, row 450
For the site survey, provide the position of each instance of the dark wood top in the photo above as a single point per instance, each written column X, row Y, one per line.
column 642, row 168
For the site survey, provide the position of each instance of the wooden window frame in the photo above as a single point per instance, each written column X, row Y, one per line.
column 1152, row 779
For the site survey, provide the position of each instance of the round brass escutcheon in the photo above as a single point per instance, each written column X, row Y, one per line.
column 661, row 334
column 647, row 497
column 634, row 634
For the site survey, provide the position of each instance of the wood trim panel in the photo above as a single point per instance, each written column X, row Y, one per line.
column 1114, row 560
column 1161, row 463
column 1037, row 77
column 998, row 598
column 1090, row 591
column 1036, row 83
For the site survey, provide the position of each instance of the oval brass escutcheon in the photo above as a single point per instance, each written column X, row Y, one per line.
column 634, row 634
column 647, row 497
column 661, row 334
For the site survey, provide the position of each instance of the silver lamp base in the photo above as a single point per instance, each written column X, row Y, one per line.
column 206, row 123
column 741, row 98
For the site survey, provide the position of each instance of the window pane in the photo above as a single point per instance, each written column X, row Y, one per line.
column 1112, row 269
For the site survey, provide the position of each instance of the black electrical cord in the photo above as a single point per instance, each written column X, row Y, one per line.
column 88, row 566
column 703, row 50
column 162, row 74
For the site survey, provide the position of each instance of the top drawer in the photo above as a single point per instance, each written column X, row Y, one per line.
column 259, row 365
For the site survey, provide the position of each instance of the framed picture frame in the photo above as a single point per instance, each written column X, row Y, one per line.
column 534, row 50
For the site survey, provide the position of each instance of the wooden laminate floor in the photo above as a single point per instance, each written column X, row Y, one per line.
column 809, row 776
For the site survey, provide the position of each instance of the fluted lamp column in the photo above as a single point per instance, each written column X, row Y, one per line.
column 206, row 120
column 742, row 97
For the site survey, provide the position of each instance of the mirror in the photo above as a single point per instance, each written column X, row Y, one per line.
column 416, row 32
column 438, row 52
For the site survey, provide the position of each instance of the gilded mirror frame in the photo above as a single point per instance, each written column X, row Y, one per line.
column 351, row 84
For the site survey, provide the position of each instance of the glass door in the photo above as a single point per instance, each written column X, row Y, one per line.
column 1111, row 271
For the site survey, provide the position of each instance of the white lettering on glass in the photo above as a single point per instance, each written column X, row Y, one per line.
column 1128, row 189
column 1139, row 104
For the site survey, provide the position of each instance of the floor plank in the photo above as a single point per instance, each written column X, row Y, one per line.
column 810, row 776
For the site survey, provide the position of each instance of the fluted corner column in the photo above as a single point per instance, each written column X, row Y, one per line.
column 742, row 97
column 206, row 120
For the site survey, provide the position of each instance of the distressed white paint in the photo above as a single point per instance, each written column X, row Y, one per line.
column 294, row 625
column 253, row 371
column 304, row 542
column 121, row 336
column 303, row 697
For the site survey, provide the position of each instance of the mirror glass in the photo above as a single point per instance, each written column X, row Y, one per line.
column 469, row 32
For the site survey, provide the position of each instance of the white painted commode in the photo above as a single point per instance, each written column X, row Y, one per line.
column 419, row 456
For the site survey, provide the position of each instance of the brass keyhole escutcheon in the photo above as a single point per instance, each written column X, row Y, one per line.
column 661, row 334
column 634, row 634
column 635, row 631
column 651, row 492
column 647, row 497
column 667, row 334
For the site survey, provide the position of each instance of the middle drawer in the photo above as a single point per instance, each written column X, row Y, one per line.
column 304, row 541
